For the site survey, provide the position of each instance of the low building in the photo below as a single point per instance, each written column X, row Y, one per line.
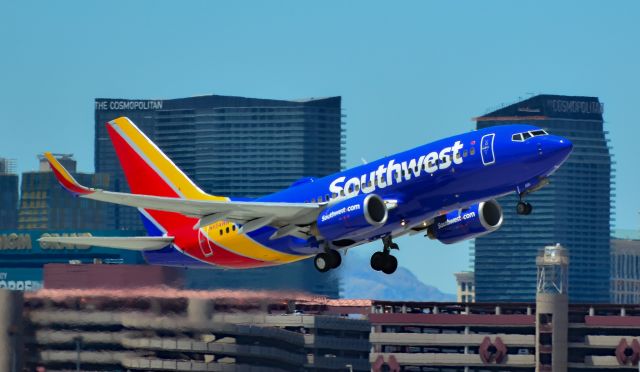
column 169, row 329
column 421, row 336
column 625, row 270
column 466, row 286
column 23, row 257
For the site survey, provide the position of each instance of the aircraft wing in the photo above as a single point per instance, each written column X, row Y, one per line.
column 135, row 243
column 257, row 214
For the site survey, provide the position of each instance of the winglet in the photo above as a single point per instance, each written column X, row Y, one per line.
column 65, row 178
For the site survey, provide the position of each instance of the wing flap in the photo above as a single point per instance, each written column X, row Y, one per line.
column 134, row 243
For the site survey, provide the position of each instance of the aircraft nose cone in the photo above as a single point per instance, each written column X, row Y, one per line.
column 557, row 147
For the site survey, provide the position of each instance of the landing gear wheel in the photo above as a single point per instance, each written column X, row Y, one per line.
column 524, row 208
column 336, row 258
column 377, row 261
column 322, row 262
column 390, row 264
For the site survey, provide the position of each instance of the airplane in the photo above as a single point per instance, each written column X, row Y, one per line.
column 445, row 189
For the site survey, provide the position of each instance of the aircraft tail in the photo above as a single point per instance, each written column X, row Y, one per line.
column 150, row 172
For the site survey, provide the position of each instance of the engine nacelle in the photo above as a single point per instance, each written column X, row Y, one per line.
column 479, row 219
column 352, row 217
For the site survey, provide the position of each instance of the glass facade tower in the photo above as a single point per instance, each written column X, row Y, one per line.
column 233, row 146
column 573, row 210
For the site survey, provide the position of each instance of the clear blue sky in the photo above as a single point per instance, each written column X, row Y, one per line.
column 408, row 72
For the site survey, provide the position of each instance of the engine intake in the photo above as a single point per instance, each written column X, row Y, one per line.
column 352, row 217
column 462, row 224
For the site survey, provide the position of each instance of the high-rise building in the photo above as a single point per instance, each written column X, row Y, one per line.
column 8, row 194
column 44, row 204
column 233, row 146
column 573, row 210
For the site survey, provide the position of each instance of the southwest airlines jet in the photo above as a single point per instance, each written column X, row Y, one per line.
column 445, row 189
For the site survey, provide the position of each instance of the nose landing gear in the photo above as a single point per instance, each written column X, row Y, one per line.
column 384, row 261
column 523, row 208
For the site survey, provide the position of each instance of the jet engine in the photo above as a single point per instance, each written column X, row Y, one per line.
column 462, row 224
column 352, row 217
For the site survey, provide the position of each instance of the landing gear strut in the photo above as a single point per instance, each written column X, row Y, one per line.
column 384, row 261
column 327, row 260
column 523, row 208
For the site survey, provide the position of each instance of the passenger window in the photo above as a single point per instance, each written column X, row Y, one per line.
column 326, row 197
column 458, row 156
column 472, row 151
column 357, row 187
column 465, row 153
column 526, row 135
column 350, row 190
column 342, row 191
column 233, row 227
column 227, row 230
column 220, row 231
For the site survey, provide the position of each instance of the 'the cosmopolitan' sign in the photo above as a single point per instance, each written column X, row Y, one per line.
column 129, row 105
column 576, row 107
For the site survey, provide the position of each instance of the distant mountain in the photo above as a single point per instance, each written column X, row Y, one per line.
column 360, row 281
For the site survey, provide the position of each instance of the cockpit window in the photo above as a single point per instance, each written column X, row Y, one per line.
column 519, row 137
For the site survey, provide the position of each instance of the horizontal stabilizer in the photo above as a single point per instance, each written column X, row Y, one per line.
column 134, row 243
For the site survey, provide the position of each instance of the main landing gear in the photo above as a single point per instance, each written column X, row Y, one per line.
column 325, row 261
column 384, row 261
column 523, row 208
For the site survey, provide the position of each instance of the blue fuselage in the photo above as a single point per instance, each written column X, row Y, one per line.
column 427, row 181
